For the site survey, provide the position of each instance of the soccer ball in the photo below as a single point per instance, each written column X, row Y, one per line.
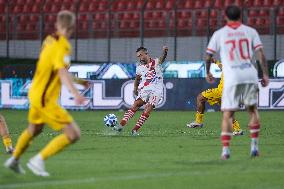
column 110, row 120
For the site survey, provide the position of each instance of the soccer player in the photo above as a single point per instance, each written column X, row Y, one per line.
column 7, row 141
column 148, row 87
column 212, row 96
column 51, row 73
column 236, row 44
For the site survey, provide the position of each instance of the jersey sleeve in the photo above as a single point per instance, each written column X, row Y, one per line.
column 138, row 70
column 256, row 42
column 213, row 46
column 62, row 60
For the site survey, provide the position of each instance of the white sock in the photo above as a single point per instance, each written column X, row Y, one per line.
column 225, row 150
column 254, row 144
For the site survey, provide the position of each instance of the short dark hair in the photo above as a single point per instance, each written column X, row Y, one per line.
column 233, row 12
column 141, row 49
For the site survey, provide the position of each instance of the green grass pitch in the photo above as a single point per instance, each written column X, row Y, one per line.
column 167, row 155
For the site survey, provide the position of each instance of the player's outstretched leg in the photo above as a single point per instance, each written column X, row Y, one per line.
column 199, row 113
column 129, row 114
column 23, row 143
column 254, row 126
column 7, row 141
column 37, row 163
column 144, row 116
column 237, row 131
column 226, row 134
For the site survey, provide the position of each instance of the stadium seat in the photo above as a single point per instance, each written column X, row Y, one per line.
column 134, row 24
column 280, row 21
column 189, row 4
column 218, row 4
column 281, row 11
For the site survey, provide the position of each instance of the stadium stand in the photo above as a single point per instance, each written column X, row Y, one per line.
column 32, row 19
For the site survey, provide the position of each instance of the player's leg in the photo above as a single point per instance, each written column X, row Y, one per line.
column 130, row 113
column 143, row 117
column 71, row 133
column 152, row 102
column 200, row 108
column 7, row 141
column 22, row 144
column 254, row 126
column 226, row 134
column 60, row 120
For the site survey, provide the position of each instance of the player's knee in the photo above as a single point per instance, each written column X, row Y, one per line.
column 201, row 98
column 35, row 130
column 73, row 132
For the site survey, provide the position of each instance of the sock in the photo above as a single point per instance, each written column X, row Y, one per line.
column 55, row 146
column 254, row 132
column 129, row 114
column 199, row 117
column 141, row 121
column 236, row 126
column 225, row 139
column 22, row 144
column 7, row 141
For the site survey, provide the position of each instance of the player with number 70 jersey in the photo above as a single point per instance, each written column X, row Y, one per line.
column 236, row 43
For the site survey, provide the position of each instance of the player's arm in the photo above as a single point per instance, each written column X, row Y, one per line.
column 208, row 60
column 80, row 81
column 66, row 79
column 164, row 55
column 136, row 84
column 263, row 64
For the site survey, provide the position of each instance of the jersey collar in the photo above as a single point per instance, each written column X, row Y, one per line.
column 234, row 25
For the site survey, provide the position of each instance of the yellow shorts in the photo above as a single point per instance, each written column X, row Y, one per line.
column 53, row 115
column 213, row 96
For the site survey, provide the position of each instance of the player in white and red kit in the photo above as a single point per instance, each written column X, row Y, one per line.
column 148, row 87
column 236, row 44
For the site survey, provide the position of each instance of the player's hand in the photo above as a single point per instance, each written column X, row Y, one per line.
column 210, row 78
column 79, row 99
column 264, row 81
column 86, row 84
column 165, row 48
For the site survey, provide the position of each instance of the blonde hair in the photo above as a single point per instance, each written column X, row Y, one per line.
column 66, row 19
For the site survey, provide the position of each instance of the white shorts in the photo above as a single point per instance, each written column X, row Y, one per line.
column 150, row 96
column 242, row 94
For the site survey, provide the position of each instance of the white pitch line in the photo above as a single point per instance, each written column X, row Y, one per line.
column 118, row 178
column 93, row 180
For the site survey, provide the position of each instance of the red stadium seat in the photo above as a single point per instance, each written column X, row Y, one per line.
column 189, row 4
column 281, row 11
column 218, row 4
column 267, row 3
column 198, row 4
column 150, row 5
column 35, row 8
column 124, row 24
column 277, row 2
column 264, row 12
column 253, row 12
column 130, row 5
column 169, row 4
column 184, row 14
column 134, row 25
column 280, row 21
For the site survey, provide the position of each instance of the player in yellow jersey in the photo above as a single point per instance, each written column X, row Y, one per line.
column 51, row 73
column 4, row 133
column 212, row 96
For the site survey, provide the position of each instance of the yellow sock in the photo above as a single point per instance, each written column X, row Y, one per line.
column 7, row 141
column 236, row 125
column 199, row 117
column 22, row 144
column 55, row 146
